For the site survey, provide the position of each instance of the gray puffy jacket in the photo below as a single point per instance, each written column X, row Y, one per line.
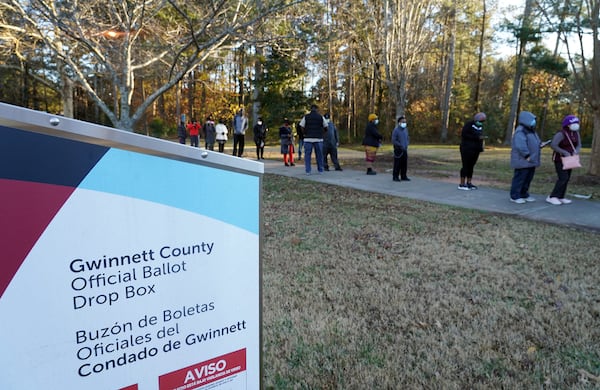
column 525, row 152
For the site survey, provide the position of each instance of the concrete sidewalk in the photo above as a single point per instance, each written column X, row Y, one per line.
column 582, row 213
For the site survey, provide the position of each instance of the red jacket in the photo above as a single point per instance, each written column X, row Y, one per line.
column 193, row 128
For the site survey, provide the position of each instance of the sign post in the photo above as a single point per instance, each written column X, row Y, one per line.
column 129, row 262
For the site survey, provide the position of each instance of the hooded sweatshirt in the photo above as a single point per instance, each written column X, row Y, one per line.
column 525, row 152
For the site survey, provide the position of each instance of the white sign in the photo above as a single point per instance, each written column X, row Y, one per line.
column 127, row 267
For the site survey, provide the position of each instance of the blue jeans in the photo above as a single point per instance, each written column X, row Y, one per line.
column 308, row 147
column 520, row 183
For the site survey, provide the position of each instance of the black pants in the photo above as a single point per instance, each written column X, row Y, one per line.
column 469, row 159
column 560, row 188
column 221, row 146
column 260, row 149
column 238, row 144
column 332, row 151
column 400, row 164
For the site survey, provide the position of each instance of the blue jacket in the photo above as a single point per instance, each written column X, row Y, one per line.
column 400, row 137
column 330, row 137
column 525, row 152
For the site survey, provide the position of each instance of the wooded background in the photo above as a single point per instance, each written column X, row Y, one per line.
column 141, row 65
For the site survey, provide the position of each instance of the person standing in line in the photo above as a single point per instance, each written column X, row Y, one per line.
column 371, row 142
column 221, row 134
column 209, row 133
column 300, row 133
column 194, row 131
column 287, row 143
column 566, row 142
column 330, row 144
column 400, row 142
column 471, row 144
column 181, row 132
column 260, row 134
column 524, row 157
column 313, row 125
column 240, row 125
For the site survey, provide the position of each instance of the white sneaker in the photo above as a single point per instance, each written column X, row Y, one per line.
column 553, row 201
column 530, row 199
column 565, row 201
column 519, row 200
column 463, row 187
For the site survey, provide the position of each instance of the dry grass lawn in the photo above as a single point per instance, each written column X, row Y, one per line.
column 368, row 291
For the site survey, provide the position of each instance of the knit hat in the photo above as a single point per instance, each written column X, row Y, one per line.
column 569, row 120
column 480, row 117
column 372, row 117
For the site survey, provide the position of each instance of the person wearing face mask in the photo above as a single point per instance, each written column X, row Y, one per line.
column 524, row 157
column 313, row 126
column 208, row 129
column 260, row 133
column 371, row 142
column 566, row 142
column 471, row 144
column 400, row 142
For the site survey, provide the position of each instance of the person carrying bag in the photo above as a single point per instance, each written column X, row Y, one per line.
column 566, row 145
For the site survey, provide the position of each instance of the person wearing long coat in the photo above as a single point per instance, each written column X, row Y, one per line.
column 286, row 137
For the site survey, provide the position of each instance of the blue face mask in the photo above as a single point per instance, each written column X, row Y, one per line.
column 533, row 123
column 479, row 123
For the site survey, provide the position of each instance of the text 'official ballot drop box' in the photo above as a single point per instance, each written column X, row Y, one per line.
column 128, row 262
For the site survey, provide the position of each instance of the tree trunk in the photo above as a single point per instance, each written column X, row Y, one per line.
column 518, row 79
column 258, row 71
column 594, row 168
column 477, row 106
column 449, row 76
column 329, row 82
column 67, row 94
column 191, row 94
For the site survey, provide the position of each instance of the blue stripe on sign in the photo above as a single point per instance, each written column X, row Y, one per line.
column 44, row 158
column 227, row 196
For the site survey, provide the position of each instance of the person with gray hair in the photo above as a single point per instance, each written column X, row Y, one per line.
column 471, row 144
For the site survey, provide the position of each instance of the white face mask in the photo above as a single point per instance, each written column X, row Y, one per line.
column 574, row 127
column 259, row 123
column 403, row 125
column 376, row 121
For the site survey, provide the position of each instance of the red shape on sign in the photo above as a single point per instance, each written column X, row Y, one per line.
column 25, row 211
column 206, row 372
